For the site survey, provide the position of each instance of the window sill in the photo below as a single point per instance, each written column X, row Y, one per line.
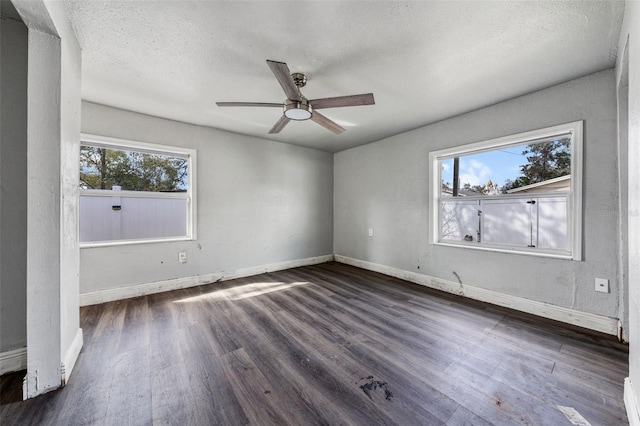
column 556, row 254
column 99, row 244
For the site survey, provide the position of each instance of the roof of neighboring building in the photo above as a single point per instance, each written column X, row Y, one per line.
column 560, row 183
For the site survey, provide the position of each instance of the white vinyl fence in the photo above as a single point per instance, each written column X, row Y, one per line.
column 520, row 222
column 107, row 215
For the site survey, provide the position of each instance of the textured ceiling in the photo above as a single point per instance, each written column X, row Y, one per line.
column 424, row 61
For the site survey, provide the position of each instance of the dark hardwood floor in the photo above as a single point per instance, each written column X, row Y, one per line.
column 328, row 344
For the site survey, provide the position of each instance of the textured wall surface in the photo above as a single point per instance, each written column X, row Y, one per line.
column 53, row 127
column 44, row 326
column 259, row 202
column 384, row 186
column 70, row 107
column 631, row 32
column 13, row 182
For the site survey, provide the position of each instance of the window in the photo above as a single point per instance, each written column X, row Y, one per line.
column 134, row 192
column 520, row 193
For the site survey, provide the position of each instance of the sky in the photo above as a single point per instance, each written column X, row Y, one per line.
column 478, row 169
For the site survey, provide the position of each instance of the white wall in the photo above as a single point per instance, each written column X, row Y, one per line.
column 259, row 202
column 54, row 338
column 631, row 33
column 13, row 182
column 70, row 106
column 384, row 186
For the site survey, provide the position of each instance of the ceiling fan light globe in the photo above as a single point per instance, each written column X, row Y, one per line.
column 298, row 111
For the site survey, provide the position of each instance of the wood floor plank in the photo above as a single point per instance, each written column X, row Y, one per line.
column 259, row 402
column 164, row 349
column 130, row 371
column 168, row 396
column 85, row 399
column 510, row 401
column 383, row 386
column 136, row 323
column 554, row 390
column 320, row 373
column 109, row 324
column 327, row 344
column 464, row 417
column 211, row 399
column 285, row 368
column 89, row 317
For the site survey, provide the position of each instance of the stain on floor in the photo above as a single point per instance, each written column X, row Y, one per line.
column 371, row 385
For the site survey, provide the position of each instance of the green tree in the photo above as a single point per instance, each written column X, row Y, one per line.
column 545, row 160
column 102, row 168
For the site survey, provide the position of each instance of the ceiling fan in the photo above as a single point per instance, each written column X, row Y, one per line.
column 297, row 107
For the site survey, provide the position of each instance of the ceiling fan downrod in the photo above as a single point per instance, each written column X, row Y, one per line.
column 299, row 79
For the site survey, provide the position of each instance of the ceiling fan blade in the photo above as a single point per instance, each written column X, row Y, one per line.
column 283, row 75
column 247, row 104
column 326, row 123
column 343, row 101
column 283, row 121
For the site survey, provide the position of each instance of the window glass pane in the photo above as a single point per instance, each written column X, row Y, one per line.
column 552, row 223
column 531, row 167
column 135, row 192
column 520, row 193
column 459, row 220
column 104, row 168
column 509, row 222
column 131, row 218
column 153, row 218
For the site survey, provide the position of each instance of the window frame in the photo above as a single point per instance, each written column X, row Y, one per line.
column 87, row 139
column 574, row 196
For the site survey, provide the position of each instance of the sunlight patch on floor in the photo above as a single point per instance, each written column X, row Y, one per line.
column 243, row 291
column 573, row 416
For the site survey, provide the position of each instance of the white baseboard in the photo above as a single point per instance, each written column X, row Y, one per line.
column 110, row 295
column 71, row 357
column 570, row 316
column 631, row 403
column 13, row 360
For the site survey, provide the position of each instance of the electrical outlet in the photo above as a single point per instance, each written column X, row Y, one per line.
column 182, row 257
column 602, row 285
column 371, row 232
